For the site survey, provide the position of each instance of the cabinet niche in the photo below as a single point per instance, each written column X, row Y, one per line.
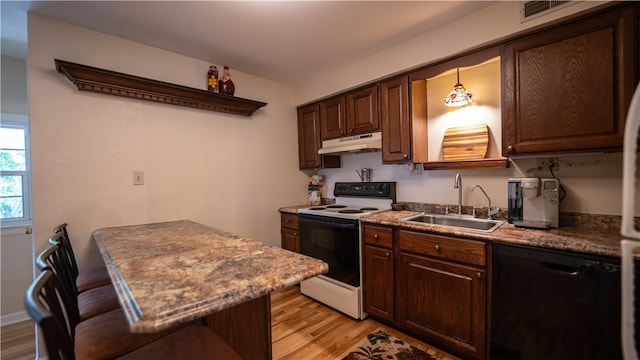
column 480, row 75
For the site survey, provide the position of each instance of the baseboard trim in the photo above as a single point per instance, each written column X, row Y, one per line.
column 17, row 317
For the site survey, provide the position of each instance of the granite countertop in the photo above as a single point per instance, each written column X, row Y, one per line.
column 578, row 236
column 173, row 272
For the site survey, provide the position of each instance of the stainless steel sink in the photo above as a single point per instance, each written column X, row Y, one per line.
column 460, row 221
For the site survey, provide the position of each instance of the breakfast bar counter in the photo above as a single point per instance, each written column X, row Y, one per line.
column 174, row 272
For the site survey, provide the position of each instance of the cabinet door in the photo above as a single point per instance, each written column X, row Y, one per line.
column 396, row 127
column 444, row 302
column 362, row 111
column 378, row 282
column 309, row 140
column 332, row 118
column 290, row 240
column 568, row 88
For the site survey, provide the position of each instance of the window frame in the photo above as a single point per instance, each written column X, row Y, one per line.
column 20, row 121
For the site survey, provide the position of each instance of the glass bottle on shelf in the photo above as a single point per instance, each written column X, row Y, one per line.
column 212, row 79
column 226, row 86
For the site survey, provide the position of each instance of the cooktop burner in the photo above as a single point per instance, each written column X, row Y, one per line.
column 345, row 210
column 354, row 200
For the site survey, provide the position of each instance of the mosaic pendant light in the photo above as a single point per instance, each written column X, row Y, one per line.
column 459, row 96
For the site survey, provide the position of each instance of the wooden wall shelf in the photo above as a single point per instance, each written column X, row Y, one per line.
column 492, row 163
column 114, row 83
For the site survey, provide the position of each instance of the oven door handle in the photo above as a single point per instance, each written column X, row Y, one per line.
column 329, row 221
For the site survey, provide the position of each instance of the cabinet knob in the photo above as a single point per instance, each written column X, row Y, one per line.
column 375, row 236
column 386, row 254
column 510, row 148
column 405, row 156
column 479, row 274
column 295, row 234
column 437, row 247
column 287, row 220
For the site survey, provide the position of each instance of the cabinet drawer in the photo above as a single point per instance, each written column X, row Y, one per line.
column 378, row 235
column 455, row 249
column 289, row 221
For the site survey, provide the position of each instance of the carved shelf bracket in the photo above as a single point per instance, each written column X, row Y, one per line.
column 103, row 81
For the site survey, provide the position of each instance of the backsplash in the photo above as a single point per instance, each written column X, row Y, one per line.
column 592, row 182
column 566, row 218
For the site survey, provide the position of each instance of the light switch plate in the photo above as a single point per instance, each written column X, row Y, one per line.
column 138, row 177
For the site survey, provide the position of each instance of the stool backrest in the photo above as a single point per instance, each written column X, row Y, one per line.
column 45, row 304
column 54, row 259
column 66, row 243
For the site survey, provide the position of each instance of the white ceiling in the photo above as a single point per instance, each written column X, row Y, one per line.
column 286, row 41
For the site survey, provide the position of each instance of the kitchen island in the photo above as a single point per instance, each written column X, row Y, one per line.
column 171, row 273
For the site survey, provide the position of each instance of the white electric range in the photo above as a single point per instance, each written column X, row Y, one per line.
column 332, row 233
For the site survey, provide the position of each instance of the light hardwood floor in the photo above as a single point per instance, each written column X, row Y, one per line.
column 305, row 329
column 18, row 341
column 301, row 329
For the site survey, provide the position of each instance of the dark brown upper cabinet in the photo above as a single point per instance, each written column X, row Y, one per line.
column 397, row 130
column 567, row 88
column 333, row 120
column 362, row 111
column 309, row 140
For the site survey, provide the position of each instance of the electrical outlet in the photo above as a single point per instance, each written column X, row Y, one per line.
column 416, row 169
column 138, row 177
column 548, row 163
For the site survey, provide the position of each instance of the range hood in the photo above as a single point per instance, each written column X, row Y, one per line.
column 365, row 142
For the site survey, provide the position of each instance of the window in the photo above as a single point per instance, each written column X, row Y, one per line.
column 15, row 199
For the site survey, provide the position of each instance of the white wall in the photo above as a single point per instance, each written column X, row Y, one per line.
column 226, row 171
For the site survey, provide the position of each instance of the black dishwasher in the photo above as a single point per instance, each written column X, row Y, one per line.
column 550, row 304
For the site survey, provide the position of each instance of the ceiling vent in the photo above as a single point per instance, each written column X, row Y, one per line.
column 534, row 9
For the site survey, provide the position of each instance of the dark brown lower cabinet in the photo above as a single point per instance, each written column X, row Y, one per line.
column 443, row 303
column 378, row 278
column 289, row 232
column 432, row 286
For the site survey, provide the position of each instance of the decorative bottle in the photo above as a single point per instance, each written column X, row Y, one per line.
column 226, row 86
column 212, row 79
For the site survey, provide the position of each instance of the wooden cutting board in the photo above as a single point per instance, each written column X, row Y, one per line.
column 466, row 142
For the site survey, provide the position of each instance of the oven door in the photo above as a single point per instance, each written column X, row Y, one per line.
column 335, row 241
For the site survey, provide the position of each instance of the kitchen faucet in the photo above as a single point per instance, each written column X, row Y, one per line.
column 490, row 210
column 458, row 185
